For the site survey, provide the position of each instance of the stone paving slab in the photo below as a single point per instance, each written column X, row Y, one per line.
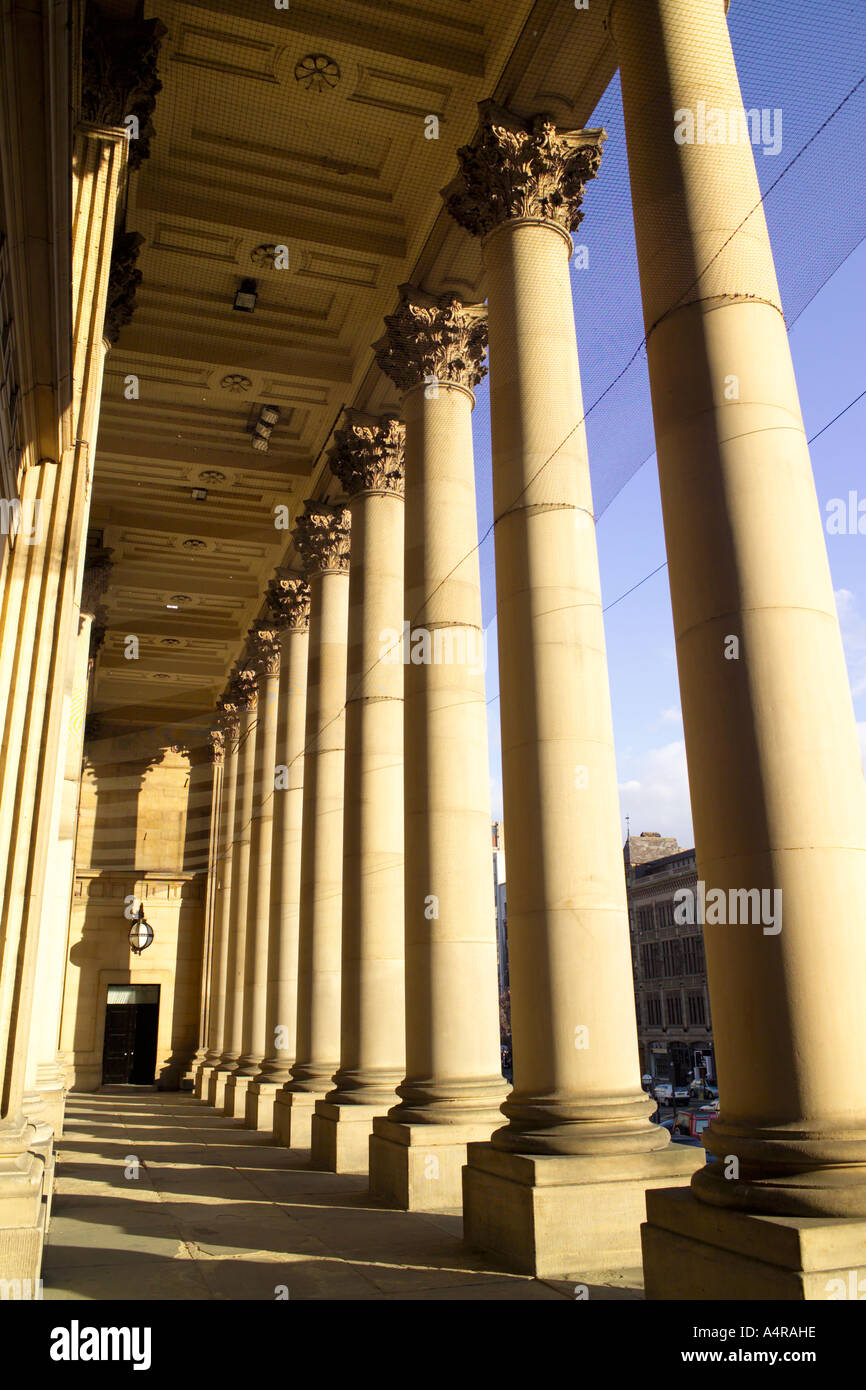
column 218, row 1212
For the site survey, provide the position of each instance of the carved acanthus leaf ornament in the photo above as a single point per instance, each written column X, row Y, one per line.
column 322, row 537
column 433, row 339
column 368, row 453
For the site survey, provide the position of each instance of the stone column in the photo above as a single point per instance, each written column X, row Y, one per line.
column 368, row 462
column 774, row 766
column 289, row 599
column 433, row 351
column 322, row 539
column 265, row 656
column 206, row 1083
column 244, row 696
column 216, row 739
column 561, row 1186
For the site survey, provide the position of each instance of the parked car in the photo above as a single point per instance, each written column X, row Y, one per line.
column 681, row 1095
column 703, row 1090
column 663, row 1092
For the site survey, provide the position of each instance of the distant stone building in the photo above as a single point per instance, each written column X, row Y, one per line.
column 675, row 1033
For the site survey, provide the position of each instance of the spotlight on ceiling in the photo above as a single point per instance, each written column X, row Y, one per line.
column 246, row 296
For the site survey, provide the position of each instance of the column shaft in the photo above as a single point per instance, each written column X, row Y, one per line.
column 207, row 1088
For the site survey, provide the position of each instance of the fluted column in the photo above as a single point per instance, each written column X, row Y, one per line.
column 265, row 657
column 577, row 1091
column 206, row 1082
column 322, row 539
column 244, row 696
column 433, row 351
column 289, row 600
column 774, row 766
column 368, row 462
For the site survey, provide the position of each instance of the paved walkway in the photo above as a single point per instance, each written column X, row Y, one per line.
column 218, row 1212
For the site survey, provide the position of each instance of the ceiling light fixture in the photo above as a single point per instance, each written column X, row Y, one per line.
column 246, row 296
column 267, row 419
column 199, row 494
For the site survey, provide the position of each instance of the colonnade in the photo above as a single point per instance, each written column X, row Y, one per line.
column 395, row 854
column 349, row 992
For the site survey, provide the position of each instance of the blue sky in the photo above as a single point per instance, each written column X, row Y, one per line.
column 816, row 214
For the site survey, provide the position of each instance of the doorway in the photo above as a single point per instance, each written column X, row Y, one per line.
column 131, row 1026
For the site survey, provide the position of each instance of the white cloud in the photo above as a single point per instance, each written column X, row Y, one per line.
column 853, row 625
column 655, row 792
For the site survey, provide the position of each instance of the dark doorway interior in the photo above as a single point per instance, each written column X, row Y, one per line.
column 131, row 1024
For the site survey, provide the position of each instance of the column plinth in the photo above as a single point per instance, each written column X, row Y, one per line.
column 322, row 537
column 368, row 461
column 774, row 765
column 433, row 350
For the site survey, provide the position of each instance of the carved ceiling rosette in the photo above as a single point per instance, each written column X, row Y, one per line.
column 289, row 601
column 433, row 339
column 322, row 537
column 368, row 453
column 264, row 650
column 522, row 169
column 119, row 77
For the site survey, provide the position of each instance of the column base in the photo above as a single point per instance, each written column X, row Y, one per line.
column 552, row 1216
column 23, row 1216
column 419, row 1167
column 53, row 1105
column 235, row 1096
column 293, row 1116
column 695, row 1251
column 216, row 1088
column 202, row 1079
column 341, row 1137
column 259, row 1107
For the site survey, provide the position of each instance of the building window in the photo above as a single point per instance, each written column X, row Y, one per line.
column 674, row 1009
column 665, row 913
column 693, row 952
column 653, row 1011
column 645, row 919
column 697, row 1009
column 672, row 957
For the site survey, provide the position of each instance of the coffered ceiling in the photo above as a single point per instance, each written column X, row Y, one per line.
column 304, row 128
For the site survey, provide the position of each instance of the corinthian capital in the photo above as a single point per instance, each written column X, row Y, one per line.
column 516, row 168
column 97, row 568
column 368, row 453
column 289, row 601
column 264, row 650
column 217, row 741
column 119, row 78
column 243, row 688
column 229, row 712
column 433, row 339
column 322, row 537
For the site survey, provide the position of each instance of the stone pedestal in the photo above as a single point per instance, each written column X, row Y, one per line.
column 555, row 1215
column 292, row 1118
column 694, row 1251
column 340, row 1136
column 419, row 1167
column 259, row 1104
